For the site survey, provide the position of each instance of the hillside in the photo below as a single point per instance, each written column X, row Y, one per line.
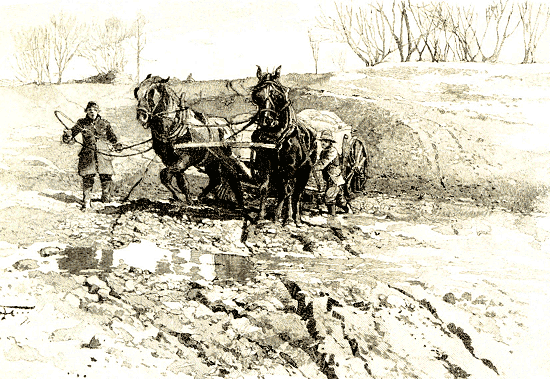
column 461, row 130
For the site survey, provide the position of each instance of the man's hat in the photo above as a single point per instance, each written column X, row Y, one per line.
column 326, row 135
column 91, row 104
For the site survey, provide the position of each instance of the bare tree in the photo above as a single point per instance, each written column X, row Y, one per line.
column 67, row 36
column 340, row 60
column 314, row 42
column 499, row 14
column 433, row 33
column 104, row 48
column 470, row 34
column 141, row 40
column 534, row 26
column 399, row 27
column 32, row 58
column 363, row 29
column 462, row 24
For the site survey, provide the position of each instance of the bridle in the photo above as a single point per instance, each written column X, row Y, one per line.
column 161, row 114
column 179, row 127
column 269, row 106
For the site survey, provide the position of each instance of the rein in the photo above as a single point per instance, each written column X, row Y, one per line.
column 59, row 113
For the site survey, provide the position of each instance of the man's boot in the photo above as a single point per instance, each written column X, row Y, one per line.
column 86, row 198
column 106, row 191
column 347, row 209
column 331, row 209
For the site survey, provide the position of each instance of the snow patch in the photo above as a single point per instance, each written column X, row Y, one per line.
column 144, row 255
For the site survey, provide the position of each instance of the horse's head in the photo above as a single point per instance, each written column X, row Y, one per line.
column 271, row 97
column 149, row 94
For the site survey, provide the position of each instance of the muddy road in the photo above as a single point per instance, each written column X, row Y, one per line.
column 405, row 287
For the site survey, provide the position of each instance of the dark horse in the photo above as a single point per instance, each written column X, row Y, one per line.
column 160, row 109
column 286, row 168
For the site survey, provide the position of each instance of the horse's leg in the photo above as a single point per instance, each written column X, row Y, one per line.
column 166, row 176
column 237, row 189
column 299, row 188
column 177, row 170
column 212, row 169
column 284, row 199
column 264, row 192
column 280, row 203
column 181, row 180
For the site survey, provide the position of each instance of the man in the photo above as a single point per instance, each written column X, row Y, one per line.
column 329, row 165
column 97, row 134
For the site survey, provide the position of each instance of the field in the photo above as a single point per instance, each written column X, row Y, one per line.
column 442, row 271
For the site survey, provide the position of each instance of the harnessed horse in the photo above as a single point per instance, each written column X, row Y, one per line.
column 160, row 109
column 286, row 169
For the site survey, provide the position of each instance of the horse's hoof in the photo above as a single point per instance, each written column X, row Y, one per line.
column 289, row 223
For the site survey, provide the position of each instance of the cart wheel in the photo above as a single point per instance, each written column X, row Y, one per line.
column 355, row 166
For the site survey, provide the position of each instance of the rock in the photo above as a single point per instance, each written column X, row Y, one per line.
column 72, row 300
column 130, row 285
column 203, row 311
column 26, row 264
column 95, row 281
column 450, row 298
column 49, row 251
column 104, row 292
column 396, row 301
column 116, row 284
column 93, row 344
column 243, row 327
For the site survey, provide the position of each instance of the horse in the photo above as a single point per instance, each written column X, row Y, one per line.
column 160, row 109
column 286, row 168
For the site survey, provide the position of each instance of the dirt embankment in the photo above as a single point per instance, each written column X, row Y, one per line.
column 418, row 141
column 430, row 131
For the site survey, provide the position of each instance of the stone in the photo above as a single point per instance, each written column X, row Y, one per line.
column 72, row 300
column 130, row 285
column 203, row 311
column 95, row 281
column 49, row 251
column 26, row 264
column 93, row 344
column 396, row 301
column 450, row 298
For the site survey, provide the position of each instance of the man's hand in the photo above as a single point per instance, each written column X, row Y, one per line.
column 321, row 185
column 67, row 136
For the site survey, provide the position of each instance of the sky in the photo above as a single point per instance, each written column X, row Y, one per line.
column 209, row 38
column 212, row 39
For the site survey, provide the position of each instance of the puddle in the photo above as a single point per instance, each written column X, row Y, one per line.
column 233, row 267
column 147, row 256
column 79, row 260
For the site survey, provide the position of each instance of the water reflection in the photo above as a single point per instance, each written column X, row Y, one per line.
column 234, row 267
column 147, row 256
column 78, row 260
